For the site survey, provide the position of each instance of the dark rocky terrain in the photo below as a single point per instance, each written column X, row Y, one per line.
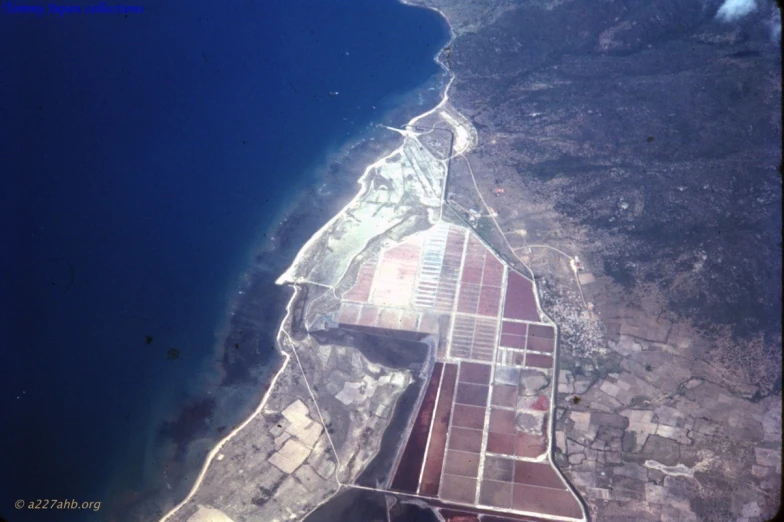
column 644, row 137
column 650, row 125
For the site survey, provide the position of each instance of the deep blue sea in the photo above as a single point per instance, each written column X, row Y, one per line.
column 143, row 158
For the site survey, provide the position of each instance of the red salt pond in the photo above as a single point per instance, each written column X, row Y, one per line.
column 471, row 394
column 539, row 344
column 538, row 361
column 502, row 443
column 539, row 330
column 509, row 327
column 494, row 271
column 502, row 421
column 489, row 301
column 458, row 489
column 407, row 475
column 368, row 316
column 434, row 460
column 463, row 514
column 361, row 289
column 494, row 493
column 349, row 313
column 464, row 439
column 469, row 298
column 512, row 341
column 546, row 501
column 472, row 275
column 520, row 302
column 475, row 373
column 404, row 252
column 537, row 474
column 504, row 395
column 468, row 417
column 530, row 446
column 462, row 463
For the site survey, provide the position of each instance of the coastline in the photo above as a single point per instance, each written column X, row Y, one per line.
column 225, row 377
column 286, row 280
column 271, row 385
column 281, row 242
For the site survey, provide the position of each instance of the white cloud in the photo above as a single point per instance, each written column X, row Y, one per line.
column 731, row 10
column 775, row 26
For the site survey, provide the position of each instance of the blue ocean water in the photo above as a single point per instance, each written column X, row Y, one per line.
column 142, row 158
